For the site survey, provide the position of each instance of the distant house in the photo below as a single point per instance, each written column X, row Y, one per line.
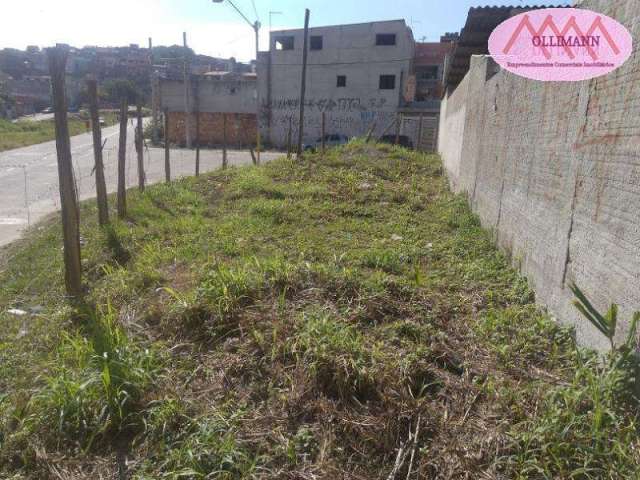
column 429, row 67
column 223, row 103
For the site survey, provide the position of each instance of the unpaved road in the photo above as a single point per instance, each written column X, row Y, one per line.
column 29, row 175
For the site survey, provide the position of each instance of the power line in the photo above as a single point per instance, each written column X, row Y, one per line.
column 255, row 10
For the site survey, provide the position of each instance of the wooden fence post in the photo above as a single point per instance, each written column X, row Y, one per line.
column 197, row 142
column 303, row 86
column 322, row 130
column 140, row 146
column 101, row 186
column 289, row 138
column 122, row 158
column 167, row 151
column 419, row 145
column 57, row 58
column 398, row 123
column 224, row 140
column 370, row 132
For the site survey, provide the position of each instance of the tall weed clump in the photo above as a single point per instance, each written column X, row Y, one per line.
column 588, row 427
column 93, row 390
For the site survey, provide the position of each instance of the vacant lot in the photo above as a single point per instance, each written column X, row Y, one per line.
column 342, row 318
column 25, row 132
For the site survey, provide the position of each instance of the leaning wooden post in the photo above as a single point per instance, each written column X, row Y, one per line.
column 419, row 145
column 140, row 146
column 398, row 123
column 101, row 186
column 322, row 130
column 197, row 142
column 289, row 138
column 224, row 140
column 167, row 152
column 122, row 158
column 57, row 58
column 370, row 132
column 303, row 86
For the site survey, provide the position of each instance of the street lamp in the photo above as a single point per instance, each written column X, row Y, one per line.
column 256, row 28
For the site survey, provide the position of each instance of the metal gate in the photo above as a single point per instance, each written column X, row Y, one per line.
column 422, row 130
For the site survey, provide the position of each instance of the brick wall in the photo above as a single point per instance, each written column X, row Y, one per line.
column 241, row 128
column 553, row 169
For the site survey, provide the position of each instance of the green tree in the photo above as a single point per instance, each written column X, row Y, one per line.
column 116, row 90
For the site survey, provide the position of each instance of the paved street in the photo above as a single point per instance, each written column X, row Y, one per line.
column 29, row 175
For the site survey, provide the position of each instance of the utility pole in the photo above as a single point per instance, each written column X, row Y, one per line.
column 57, row 58
column 187, row 81
column 303, row 86
column 256, row 28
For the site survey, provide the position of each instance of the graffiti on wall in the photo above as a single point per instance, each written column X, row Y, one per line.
column 345, row 104
column 351, row 116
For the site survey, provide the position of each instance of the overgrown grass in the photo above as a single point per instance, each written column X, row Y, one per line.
column 298, row 320
column 26, row 132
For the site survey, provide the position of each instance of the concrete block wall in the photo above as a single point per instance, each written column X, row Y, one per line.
column 553, row 169
column 241, row 129
column 210, row 94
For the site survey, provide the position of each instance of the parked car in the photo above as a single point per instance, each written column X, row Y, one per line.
column 101, row 122
column 330, row 140
column 403, row 140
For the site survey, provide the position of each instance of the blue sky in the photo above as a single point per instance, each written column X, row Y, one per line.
column 214, row 29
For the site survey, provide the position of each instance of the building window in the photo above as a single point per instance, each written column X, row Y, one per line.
column 428, row 73
column 315, row 42
column 386, row 39
column 284, row 43
column 342, row 81
column 387, row 82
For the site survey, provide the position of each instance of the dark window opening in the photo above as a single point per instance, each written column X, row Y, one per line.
column 428, row 73
column 386, row 39
column 342, row 81
column 387, row 82
column 315, row 42
column 284, row 43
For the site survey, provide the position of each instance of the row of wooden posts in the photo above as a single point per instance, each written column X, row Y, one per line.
column 57, row 59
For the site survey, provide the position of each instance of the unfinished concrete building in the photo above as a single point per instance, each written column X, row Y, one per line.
column 357, row 74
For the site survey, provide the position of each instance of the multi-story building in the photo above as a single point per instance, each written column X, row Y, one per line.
column 358, row 75
column 429, row 71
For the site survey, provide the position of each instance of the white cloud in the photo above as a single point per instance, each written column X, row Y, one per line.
column 120, row 22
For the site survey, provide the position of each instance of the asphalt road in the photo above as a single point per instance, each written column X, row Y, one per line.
column 29, row 175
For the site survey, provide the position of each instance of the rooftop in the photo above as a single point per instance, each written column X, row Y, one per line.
column 474, row 37
column 276, row 32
